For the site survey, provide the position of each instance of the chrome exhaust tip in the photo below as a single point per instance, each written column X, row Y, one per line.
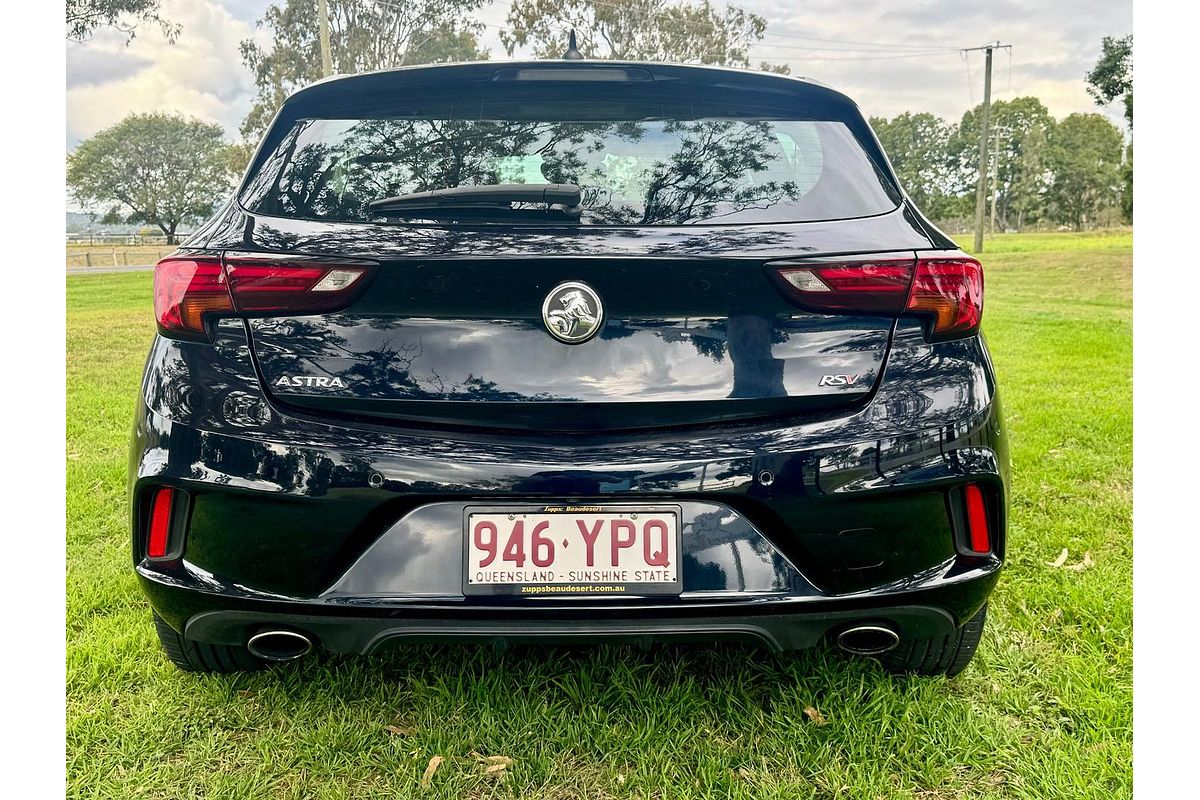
column 279, row 645
column 867, row 640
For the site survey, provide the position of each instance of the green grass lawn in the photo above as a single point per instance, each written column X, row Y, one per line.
column 1043, row 712
column 1100, row 239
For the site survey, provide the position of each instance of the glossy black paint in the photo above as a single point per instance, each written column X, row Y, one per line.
column 684, row 331
column 304, row 506
column 284, row 506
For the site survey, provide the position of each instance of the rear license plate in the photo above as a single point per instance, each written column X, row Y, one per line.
column 597, row 551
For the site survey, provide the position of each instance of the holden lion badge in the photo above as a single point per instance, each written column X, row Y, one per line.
column 573, row 312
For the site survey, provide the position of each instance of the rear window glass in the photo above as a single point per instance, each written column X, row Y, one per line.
column 641, row 168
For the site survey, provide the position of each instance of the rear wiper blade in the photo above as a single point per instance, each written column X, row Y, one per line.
column 482, row 198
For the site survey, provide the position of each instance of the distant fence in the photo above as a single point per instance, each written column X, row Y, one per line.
column 110, row 239
column 108, row 255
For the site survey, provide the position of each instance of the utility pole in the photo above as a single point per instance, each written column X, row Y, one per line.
column 982, row 187
column 327, row 58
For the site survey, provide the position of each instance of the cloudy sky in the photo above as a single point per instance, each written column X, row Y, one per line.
column 878, row 52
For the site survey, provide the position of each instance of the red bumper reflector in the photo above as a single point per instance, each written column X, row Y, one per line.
column 977, row 521
column 160, row 523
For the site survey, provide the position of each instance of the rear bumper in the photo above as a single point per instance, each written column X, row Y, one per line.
column 778, row 624
column 737, row 585
column 340, row 531
column 366, row 635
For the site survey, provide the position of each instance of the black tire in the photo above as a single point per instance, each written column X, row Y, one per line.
column 201, row 657
column 945, row 655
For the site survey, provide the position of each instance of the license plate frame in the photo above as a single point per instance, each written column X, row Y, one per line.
column 583, row 590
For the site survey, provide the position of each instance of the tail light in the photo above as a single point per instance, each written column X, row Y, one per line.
column 948, row 290
column 185, row 291
column 872, row 287
column 189, row 290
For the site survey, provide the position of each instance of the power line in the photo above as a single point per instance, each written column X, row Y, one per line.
column 876, row 51
column 887, row 57
column 888, row 45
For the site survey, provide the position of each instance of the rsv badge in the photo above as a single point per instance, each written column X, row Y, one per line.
column 311, row 381
column 839, row 380
column 573, row 312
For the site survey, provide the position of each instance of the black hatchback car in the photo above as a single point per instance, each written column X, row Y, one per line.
column 568, row 351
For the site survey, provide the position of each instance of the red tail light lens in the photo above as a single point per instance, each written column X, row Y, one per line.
column 187, row 290
column 871, row 287
column 307, row 288
column 977, row 520
column 948, row 290
column 160, row 523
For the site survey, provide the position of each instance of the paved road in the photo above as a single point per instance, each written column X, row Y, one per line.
column 101, row 270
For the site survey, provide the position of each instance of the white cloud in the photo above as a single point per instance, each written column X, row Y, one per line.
column 1055, row 43
column 201, row 75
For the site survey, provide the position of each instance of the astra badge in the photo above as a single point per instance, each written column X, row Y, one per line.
column 573, row 312
column 311, row 381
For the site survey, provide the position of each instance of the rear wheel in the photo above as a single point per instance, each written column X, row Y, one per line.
column 944, row 655
column 201, row 657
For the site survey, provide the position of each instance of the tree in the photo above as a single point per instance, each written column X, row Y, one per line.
column 918, row 145
column 160, row 169
column 1020, row 131
column 637, row 30
column 238, row 155
column 1112, row 77
column 84, row 17
column 1127, row 188
column 364, row 35
column 1085, row 157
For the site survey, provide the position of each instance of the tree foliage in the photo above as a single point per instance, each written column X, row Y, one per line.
column 1127, row 188
column 158, row 169
column 637, row 30
column 1085, row 157
column 1019, row 133
column 85, row 17
column 1112, row 77
column 1040, row 171
column 918, row 146
column 364, row 35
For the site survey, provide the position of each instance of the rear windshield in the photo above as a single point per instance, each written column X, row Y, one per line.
column 637, row 164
